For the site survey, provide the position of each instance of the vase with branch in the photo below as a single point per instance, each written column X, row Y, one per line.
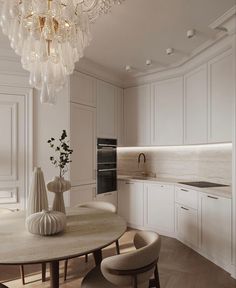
column 61, row 160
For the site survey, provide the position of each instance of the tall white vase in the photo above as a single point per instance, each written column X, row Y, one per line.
column 58, row 186
column 37, row 200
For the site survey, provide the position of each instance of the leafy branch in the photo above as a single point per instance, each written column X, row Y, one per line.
column 62, row 151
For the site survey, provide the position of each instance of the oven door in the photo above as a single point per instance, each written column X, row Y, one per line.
column 106, row 179
column 106, row 151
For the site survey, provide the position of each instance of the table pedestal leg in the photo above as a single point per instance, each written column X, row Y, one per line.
column 54, row 274
column 97, row 257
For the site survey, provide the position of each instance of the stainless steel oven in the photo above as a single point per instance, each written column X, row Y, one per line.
column 106, row 165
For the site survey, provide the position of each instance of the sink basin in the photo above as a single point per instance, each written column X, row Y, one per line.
column 142, row 177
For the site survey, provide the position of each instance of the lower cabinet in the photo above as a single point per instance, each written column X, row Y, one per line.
column 159, row 208
column 215, row 228
column 130, row 202
column 110, row 197
column 187, row 225
column 82, row 194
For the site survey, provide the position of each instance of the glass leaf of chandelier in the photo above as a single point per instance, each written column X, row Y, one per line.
column 50, row 36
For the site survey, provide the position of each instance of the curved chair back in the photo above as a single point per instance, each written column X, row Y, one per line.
column 134, row 269
column 99, row 205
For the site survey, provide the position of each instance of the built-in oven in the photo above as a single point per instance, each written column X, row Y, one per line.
column 106, row 165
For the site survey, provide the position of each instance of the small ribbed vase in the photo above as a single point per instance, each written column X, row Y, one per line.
column 38, row 199
column 59, row 185
column 46, row 223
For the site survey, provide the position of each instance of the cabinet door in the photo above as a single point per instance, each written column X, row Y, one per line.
column 83, row 89
column 216, row 227
column 110, row 197
column 82, row 194
column 196, row 104
column 120, row 116
column 106, row 110
column 167, row 112
column 83, row 144
column 130, row 202
column 221, row 90
column 159, row 208
column 137, row 115
column 187, row 225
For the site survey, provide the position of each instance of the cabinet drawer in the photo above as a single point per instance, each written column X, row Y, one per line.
column 186, row 197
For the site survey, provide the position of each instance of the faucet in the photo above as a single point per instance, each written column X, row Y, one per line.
column 139, row 158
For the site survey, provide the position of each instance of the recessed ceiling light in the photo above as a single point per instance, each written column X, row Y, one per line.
column 128, row 68
column 191, row 33
column 148, row 62
column 169, row 51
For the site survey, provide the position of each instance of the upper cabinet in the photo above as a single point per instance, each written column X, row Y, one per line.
column 167, row 112
column 221, row 92
column 83, row 89
column 196, row 106
column 110, row 112
column 137, row 116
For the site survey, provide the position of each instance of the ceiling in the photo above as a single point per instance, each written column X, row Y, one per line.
column 139, row 30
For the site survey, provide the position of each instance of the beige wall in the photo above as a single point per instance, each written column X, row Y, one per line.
column 201, row 162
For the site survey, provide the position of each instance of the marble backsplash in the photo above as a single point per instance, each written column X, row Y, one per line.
column 197, row 162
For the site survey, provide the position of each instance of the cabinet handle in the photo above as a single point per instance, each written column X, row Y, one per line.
column 184, row 208
column 185, row 190
column 129, row 183
column 212, row 197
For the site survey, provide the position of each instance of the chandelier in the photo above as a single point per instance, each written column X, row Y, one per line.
column 50, row 36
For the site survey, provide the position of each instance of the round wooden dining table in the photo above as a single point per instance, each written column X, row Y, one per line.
column 88, row 231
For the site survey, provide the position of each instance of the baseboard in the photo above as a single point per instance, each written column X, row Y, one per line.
column 233, row 271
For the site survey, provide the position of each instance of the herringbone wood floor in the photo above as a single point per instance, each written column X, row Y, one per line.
column 179, row 266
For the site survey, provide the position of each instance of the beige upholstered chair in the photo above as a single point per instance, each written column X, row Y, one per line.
column 128, row 270
column 22, row 271
column 97, row 205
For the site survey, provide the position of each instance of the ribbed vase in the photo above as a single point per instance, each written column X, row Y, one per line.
column 38, row 199
column 58, row 186
column 46, row 223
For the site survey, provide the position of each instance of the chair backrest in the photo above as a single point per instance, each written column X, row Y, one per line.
column 124, row 270
column 5, row 211
column 99, row 205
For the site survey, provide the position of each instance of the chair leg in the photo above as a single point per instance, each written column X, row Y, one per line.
column 86, row 258
column 65, row 269
column 156, row 281
column 44, row 267
column 22, row 273
column 117, row 247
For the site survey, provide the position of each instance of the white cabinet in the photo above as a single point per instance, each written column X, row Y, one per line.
column 187, row 225
column 137, row 116
column 215, row 219
column 110, row 197
column 130, row 202
column 167, row 112
column 196, row 106
column 106, row 110
column 82, row 194
column 83, row 89
column 120, row 116
column 83, row 143
column 159, row 208
column 221, row 91
column 186, row 197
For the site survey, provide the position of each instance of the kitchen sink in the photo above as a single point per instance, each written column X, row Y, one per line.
column 142, row 177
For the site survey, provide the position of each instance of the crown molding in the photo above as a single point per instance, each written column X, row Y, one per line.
column 222, row 22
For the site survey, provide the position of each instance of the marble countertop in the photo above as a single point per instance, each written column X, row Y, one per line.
column 216, row 191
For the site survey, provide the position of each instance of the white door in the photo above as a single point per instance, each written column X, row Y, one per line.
column 82, row 194
column 187, row 225
column 137, row 116
column 221, row 90
column 15, row 146
column 159, row 208
column 215, row 219
column 130, row 202
column 196, row 106
column 83, row 133
column 167, row 112
column 106, row 110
